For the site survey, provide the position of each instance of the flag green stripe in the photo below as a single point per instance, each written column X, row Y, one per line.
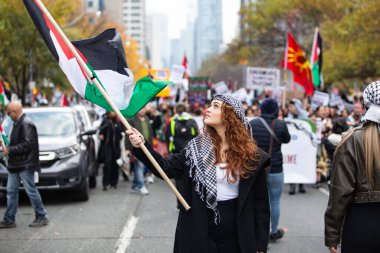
column 145, row 89
column 5, row 139
column 316, row 74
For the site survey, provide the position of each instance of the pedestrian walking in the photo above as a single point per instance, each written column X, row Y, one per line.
column 270, row 133
column 354, row 201
column 110, row 149
column 141, row 123
column 225, row 183
column 23, row 162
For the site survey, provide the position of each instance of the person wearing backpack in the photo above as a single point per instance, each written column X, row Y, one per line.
column 270, row 133
column 181, row 129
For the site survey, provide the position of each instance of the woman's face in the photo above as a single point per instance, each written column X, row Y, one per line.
column 213, row 116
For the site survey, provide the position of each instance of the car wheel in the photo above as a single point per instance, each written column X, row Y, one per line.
column 84, row 193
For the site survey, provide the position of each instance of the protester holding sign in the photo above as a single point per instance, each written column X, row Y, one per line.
column 296, row 111
column 270, row 133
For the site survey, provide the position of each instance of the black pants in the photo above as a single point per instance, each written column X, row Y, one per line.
column 361, row 229
column 223, row 237
column 110, row 170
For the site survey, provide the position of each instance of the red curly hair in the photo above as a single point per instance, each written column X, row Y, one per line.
column 242, row 152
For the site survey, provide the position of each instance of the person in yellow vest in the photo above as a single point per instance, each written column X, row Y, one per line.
column 181, row 129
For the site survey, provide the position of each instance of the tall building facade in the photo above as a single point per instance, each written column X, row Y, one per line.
column 134, row 21
column 157, row 40
column 130, row 13
column 208, row 30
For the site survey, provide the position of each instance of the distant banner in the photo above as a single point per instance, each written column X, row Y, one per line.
column 176, row 73
column 300, row 154
column 197, row 93
column 263, row 78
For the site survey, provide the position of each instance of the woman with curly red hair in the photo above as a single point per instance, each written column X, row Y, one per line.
column 225, row 183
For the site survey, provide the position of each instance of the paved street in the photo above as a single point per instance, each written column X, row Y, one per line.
column 119, row 221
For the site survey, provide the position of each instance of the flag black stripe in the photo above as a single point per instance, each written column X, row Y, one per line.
column 104, row 51
column 40, row 23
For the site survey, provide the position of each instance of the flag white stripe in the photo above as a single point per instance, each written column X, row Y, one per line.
column 119, row 87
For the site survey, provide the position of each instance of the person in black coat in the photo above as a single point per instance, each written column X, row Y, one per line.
column 272, row 145
column 225, row 183
column 23, row 163
column 110, row 149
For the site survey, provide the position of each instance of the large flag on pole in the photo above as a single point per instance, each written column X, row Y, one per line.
column 316, row 59
column 294, row 59
column 104, row 56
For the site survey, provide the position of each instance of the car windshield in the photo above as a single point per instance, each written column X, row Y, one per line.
column 50, row 124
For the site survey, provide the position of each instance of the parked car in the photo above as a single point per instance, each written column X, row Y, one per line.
column 67, row 150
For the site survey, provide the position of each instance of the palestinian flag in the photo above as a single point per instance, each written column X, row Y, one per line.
column 104, row 56
column 316, row 59
column 4, row 137
column 3, row 97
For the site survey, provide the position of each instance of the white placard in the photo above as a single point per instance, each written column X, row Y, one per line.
column 161, row 74
column 320, row 99
column 336, row 101
column 176, row 73
column 300, row 154
column 221, row 88
column 263, row 78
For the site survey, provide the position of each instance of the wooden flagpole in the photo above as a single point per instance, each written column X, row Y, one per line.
column 110, row 102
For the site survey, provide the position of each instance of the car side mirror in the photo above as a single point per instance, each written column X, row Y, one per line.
column 89, row 132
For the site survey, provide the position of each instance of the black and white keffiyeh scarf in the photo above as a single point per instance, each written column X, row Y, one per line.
column 200, row 157
column 371, row 95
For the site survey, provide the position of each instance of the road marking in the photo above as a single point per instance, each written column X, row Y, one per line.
column 324, row 191
column 126, row 236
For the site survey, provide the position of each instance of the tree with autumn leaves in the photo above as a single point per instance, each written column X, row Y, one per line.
column 350, row 32
column 23, row 53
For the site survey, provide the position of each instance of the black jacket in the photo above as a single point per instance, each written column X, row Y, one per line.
column 23, row 147
column 262, row 137
column 110, row 146
column 192, row 226
column 135, row 122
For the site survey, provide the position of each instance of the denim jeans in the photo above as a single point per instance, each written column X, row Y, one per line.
column 275, row 185
column 138, row 176
column 14, row 179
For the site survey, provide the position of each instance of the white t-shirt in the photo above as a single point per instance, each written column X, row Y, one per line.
column 224, row 189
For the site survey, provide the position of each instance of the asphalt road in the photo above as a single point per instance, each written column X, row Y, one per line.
column 120, row 221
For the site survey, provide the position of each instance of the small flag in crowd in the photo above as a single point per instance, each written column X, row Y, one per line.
column 3, row 98
column 294, row 59
column 316, row 59
column 104, row 56
column 4, row 137
column 185, row 64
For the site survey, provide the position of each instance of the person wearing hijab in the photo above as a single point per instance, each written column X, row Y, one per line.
column 351, row 217
column 225, row 184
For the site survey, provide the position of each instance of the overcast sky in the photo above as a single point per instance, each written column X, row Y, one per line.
column 179, row 11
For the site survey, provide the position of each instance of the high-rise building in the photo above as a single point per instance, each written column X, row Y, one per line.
column 130, row 13
column 157, row 40
column 134, row 21
column 208, row 30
